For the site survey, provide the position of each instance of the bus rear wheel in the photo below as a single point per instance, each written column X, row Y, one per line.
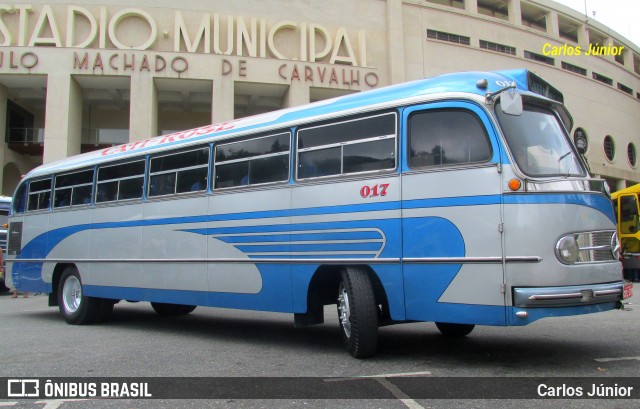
column 357, row 313
column 172, row 309
column 454, row 330
column 75, row 307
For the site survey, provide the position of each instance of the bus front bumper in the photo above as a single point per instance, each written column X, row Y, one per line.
column 569, row 296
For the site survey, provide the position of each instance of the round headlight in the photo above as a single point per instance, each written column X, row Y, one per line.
column 567, row 250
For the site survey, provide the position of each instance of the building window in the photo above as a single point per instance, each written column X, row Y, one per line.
column 533, row 17
column 568, row 29
column 492, row 8
column 602, row 78
column 619, row 57
column 449, row 37
column 539, row 57
column 609, row 148
column 459, row 4
column 501, row 48
column 574, row 68
column 626, row 89
column 580, row 140
column 596, row 38
column 631, row 155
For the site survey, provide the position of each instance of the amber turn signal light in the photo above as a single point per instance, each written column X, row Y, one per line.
column 515, row 184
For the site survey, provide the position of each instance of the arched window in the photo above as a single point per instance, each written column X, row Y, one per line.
column 609, row 148
column 631, row 155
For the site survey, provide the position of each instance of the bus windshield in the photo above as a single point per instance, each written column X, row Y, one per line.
column 538, row 143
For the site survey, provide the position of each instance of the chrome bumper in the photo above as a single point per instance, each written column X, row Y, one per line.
column 567, row 296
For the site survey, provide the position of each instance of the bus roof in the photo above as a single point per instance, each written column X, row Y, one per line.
column 629, row 190
column 465, row 82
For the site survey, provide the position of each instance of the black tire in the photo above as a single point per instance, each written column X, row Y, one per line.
column 172, row 309
column 357, row 313
column 454, row 330
column 106, row 308
column 75, row 307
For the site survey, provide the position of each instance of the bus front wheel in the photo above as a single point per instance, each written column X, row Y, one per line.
column 75, row 307
column 357, row 313
column 454, row 330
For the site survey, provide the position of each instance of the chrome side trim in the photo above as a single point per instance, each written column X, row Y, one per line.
column 221, row 260
column 472, row 260
column 606, row 292
column 387, row 260
column 555, row 296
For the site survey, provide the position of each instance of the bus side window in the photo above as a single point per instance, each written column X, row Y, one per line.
column 349, row 146
column 123, row 181
column 257, row 161
column 73, row 189
column 39, row 195
column 180, row 172
column 443, row 137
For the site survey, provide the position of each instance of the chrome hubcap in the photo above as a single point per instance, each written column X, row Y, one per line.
column 72, row 294
column 344, row 314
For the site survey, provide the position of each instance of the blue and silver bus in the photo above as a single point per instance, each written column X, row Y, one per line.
column 458, row 199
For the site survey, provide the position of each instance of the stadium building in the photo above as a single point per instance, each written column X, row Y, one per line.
column 76, row 77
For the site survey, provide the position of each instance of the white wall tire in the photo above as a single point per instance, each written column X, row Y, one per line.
column 75, row 307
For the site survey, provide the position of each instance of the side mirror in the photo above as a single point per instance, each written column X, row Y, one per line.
column 580, row 140
column 511, row 103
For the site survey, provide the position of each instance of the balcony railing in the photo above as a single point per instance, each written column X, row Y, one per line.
column 104, row 136
column 25, row 136
column 30, row 141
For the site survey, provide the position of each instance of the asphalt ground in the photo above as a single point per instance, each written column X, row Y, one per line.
column 243, row 349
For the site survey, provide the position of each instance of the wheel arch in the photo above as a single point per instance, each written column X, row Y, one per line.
column 55, row 281
column 323, row 288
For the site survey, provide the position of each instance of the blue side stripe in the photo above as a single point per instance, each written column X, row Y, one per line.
column 452, row 201
column 592, row 200
column 37, row 248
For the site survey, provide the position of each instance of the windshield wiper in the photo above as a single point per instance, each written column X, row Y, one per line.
column 570, row 163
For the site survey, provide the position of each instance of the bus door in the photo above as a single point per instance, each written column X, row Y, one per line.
column 629, row 229
column 451, row 195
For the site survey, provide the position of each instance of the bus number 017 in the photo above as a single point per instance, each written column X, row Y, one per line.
column 374, row 191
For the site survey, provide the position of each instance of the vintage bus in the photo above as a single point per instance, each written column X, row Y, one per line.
column 458, row 199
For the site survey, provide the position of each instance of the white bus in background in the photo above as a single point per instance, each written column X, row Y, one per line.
column 458, row 199
column 5, row 208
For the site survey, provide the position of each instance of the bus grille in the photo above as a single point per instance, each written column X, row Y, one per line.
column 595, row 246
column 602, row 238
